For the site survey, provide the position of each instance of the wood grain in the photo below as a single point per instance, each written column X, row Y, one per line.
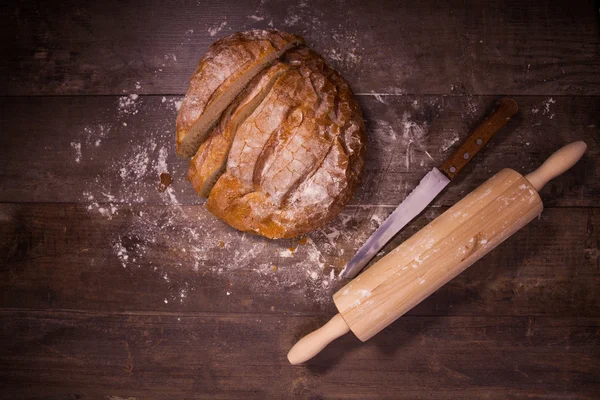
column 426, row 47
column 78, row 354
column 407, row 136
column 79, row 180
column 64, row 256
column 478, row 137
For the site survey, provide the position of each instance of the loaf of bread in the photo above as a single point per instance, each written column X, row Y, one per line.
column 285, row 154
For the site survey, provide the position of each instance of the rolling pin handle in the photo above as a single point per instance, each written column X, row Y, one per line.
column 556, row 164
column 311, row 344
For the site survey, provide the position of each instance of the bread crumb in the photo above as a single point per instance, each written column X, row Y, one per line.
column 165, row 181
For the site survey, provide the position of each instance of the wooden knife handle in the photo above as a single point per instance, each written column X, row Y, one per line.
column 479, row 137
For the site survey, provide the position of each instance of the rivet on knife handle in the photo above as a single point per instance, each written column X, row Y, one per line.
column 479, row 137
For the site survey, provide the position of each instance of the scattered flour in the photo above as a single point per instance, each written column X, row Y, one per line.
column 182, row 242
column 377, row 219
column 121, row 253
column 172, row 103
column 545, row 108
column 348, row 51
column 379, row 97
column 218, row 27
column 161, row 168
column 471, row 107
column 344, row 51
column 291, row 20
column 93, row 135
column 412, row 133
column 128, row 105
column 450, row 138
column 287, row 253
column 77, row 147
column 384, row 130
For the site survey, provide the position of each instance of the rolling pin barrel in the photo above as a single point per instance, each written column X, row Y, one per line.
column 437, row 253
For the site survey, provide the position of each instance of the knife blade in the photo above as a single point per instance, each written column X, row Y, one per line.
column 430, row 186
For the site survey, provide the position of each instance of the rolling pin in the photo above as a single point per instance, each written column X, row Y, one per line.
column 437, row 253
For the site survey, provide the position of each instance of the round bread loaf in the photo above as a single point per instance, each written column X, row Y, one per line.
column 287, row 153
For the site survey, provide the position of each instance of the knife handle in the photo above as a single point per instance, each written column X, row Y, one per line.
column 479, row 136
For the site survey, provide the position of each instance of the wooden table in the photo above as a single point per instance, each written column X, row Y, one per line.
column 111, row 289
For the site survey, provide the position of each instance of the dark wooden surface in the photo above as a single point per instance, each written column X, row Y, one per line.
column 110, row 289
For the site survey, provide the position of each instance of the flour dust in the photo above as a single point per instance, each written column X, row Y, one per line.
column 161, row 225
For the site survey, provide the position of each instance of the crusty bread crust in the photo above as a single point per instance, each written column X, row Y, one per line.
column 224, row 71
column 210, row 160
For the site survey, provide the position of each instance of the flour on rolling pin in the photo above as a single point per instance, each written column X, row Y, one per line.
column 437, row 253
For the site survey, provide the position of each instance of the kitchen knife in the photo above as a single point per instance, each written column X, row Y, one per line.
column 430, row 186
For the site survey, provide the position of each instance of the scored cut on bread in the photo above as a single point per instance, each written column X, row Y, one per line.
column 210, row 161
column 226, row 69
column 297, row 159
